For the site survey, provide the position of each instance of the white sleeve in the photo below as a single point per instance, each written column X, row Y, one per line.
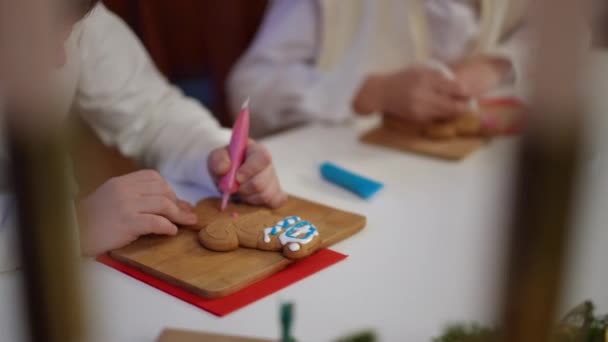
column 516, row 49
column 132, row 106
column 278, row 72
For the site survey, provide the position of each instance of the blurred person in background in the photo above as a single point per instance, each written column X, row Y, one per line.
column 106, row 76
column 26, row 86
column 325, row 60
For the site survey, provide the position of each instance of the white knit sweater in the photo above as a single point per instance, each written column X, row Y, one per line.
column 111, row 82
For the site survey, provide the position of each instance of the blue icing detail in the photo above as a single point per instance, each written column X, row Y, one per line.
column 286, row 223
column 290, row 233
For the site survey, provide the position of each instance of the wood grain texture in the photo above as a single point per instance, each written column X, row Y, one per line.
column 170, row 335
column 182, row 261
column 453, row 149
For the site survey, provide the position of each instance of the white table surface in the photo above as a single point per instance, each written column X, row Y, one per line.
column 432, row 252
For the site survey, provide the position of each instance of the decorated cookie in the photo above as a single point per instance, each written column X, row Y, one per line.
column 297, row 237
column 464, row 125
column 209, row 211
column 494, row 117
column 468, row 125
column 400, row 125
column 262, row 230
column 441, row 131
column 503, row 120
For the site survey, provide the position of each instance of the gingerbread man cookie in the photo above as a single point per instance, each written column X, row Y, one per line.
column 464, row 125
column 262, row 230
column 496, row 117
column 209, row 211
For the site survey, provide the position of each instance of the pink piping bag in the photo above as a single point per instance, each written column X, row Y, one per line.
column 237, row 149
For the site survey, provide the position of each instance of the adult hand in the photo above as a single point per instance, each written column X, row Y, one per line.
column 478, row 75
column 415, row 94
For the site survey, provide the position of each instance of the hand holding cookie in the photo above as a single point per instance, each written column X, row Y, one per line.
column 258, row 182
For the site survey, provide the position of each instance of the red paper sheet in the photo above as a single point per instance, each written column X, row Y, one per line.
column 225, row 305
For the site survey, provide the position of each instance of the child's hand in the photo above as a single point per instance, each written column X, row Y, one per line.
column 127, row 207
column 259, row 184
column 415, row 94
column 478, row 75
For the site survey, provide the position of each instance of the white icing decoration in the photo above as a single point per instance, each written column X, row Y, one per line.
column 293, row 234
column 277, row 228
column 291, row 230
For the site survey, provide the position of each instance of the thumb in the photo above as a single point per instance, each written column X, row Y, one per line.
column 219, row 162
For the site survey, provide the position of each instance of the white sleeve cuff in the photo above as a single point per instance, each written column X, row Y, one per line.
column 192, row 166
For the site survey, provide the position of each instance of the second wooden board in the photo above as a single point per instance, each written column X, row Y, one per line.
column 502, row 116
column 182, row 261
column 171, row 335
column 454, row 149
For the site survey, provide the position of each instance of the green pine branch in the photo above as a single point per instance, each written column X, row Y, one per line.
column 579, row 325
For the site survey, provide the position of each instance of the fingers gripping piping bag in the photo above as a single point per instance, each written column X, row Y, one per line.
column 237, row 148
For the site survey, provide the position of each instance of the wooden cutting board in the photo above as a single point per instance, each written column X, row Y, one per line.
column 171, row 335
column 454, row 149
column 182, row 261
column 403, row 136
